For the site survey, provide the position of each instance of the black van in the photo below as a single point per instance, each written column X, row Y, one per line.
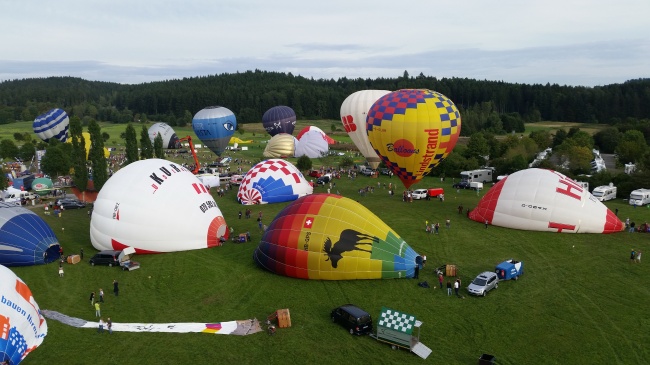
column 353, row 318
column 106, row 257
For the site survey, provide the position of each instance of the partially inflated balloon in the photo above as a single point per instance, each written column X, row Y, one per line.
column 311, row 128
column 88, row 143
column 413, row 131
column 312, row 144
column 329, row 237
column 214, row 125
column 354, row 112
column 155, row 205
column 281, row 145
column 22, row 327
column 25, row 238
column 544, row 200
column 169, row 137
column 279, row 119
column 273, row 181
column 53, row 124
column 42, row 186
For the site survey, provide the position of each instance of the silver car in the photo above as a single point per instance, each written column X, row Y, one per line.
column 483, row 283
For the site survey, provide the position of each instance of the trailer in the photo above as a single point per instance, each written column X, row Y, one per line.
column 639, row 197
column 396, row 329
column 480, row 175
column 605, row 192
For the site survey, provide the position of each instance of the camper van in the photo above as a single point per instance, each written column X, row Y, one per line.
column 605, row 192
column 480, row 175
column 17, row 196
column 640, row 197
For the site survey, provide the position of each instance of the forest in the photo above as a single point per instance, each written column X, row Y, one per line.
column 493, row 106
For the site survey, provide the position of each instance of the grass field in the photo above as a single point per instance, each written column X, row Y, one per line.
column 580, row 301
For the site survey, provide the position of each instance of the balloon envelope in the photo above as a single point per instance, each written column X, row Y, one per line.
column 354, row 112
column 279, row 119
column 273, row 181
column 312, row 144
column 25, row 238
column 155, row 205
column 169, row 137
column 22, row 327
column 310, row 128
column 214, row 125
column 281, row 145
column 42, row 185
column 544, row 200
column 329, row 237
column 412, row 131
column 88, row 143
column 53, row 124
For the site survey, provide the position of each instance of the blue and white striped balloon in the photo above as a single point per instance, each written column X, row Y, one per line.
column 25, row 238
column 53, row 124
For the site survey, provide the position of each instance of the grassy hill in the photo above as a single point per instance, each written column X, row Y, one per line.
column 580, row 301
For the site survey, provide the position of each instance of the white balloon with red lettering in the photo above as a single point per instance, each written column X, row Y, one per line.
column 22, row 327
column 155, row 206
column 544, row 200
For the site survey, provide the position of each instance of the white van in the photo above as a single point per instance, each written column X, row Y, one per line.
column 605, row 192
column 640, row 197
column 15, row 196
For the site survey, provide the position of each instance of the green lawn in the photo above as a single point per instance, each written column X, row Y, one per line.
column 579, row 302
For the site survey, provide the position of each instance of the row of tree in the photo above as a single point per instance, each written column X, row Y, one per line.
column 485, row 105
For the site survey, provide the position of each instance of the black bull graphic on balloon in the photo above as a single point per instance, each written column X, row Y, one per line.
column 348, row 241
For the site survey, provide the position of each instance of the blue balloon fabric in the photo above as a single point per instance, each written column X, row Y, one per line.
column 25, row 238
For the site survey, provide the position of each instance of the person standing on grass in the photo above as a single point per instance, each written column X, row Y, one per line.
column 456, row 287
column 638, row 257
column 101, row 295
column 109, row 325
column 101, row 326
column 98, row 312
column 440, row 279
column 448, row 288
column 632, row 256
column 116, row 289
column 92, row 299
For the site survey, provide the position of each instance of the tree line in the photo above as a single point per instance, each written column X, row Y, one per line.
column 496, row 106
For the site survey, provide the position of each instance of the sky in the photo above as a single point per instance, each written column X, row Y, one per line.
column 578, row 43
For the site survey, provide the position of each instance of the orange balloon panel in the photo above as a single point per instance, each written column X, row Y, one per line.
column 412, row 131
column 329, row 237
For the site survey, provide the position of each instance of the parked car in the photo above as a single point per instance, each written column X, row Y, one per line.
column 106, row 257
column 384, row 171
column 354, row 319
column 324, row 179
column 315, row 173
column 68, row 203
column 368, row 172
column 483, row 283
column 419, row 194
column 461, row 185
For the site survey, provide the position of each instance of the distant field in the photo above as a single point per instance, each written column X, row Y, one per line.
column 553, row 126
column 580, row 300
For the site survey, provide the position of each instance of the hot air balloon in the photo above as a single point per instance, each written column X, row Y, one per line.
column 155, row 205
column 25, row 238
column 354, row 112
column 42, row 186
column 279, row 119
column 544, row 200
column 88, row 142
column 412, row 131
column 53, row 124
column 214, row 125
column 329, row 139
column 22, row 327
column 329, row 237
column 281, row 145
column 273, row 181
column 169, row 137
column 312, row 144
